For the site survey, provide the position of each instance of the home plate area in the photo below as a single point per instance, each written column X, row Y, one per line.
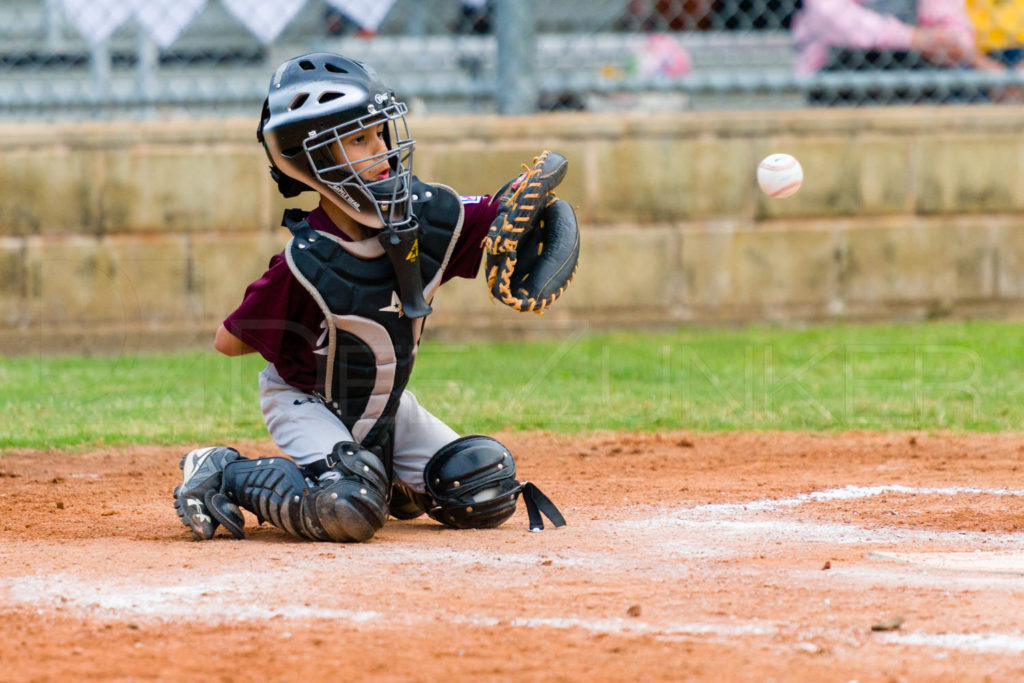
column 750, row 556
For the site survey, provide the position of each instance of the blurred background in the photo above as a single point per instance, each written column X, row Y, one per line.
column 145, row 58
column 135, row 205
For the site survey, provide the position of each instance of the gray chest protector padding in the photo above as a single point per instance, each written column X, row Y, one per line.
column 371, row 344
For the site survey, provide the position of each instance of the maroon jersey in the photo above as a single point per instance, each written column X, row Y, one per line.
column 280, row 319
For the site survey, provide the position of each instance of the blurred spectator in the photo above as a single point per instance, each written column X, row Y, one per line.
column 663, row 57
column 337, row 24
column 1000, row 27
column 365, row 15
column 703, row 15
column 858, row 35
column 475, row 17
column 666, row 15
column 825, row 30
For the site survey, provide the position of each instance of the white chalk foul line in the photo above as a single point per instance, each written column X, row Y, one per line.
column 1003, row 643
column 124, row 601
column 236, row 597
column 709, row 525
column 843, row 493
column 210, row 598
column 632, row 626
column 718, row 536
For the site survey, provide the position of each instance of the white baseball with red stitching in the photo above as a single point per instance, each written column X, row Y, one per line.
column 780, row 175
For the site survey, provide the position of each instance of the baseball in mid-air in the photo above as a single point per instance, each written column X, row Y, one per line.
column 780, row 175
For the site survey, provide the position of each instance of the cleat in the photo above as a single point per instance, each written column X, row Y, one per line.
column 201, row 482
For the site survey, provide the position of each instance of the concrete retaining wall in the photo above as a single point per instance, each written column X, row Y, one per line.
column 116, row 237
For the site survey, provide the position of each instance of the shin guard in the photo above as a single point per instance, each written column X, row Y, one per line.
column 349, row 507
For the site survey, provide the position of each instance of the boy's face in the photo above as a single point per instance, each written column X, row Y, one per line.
column 359, row 147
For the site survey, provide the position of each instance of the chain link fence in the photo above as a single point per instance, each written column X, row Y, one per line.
column 62, row 59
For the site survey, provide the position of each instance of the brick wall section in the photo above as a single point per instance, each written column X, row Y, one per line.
column 117, row 236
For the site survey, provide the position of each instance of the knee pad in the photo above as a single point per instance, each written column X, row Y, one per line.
column 472, row 483
column 354, row 507
column 350, row 508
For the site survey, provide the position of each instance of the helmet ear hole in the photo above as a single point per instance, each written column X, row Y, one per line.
column 264, row 116
column 291, row 152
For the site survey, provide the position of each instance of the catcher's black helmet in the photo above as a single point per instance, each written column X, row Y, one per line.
column 472, row 483
column 316, row 100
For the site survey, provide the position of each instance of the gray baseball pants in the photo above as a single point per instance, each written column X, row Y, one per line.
column 306, row 431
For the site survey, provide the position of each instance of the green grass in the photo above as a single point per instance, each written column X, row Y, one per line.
column 930, row 376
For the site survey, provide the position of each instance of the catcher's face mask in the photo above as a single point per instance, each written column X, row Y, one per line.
column 367, row 163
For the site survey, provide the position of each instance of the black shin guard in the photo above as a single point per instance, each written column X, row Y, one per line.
column 270, row 488
column 352, row 507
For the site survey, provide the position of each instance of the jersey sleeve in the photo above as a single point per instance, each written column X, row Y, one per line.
column 260, row 320
column 478, row 214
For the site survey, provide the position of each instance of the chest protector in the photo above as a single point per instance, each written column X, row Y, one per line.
column 371, row 344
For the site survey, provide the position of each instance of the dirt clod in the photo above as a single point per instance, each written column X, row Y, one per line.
column 888, row 624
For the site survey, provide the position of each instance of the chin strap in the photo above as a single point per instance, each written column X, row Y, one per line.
column 537, row 503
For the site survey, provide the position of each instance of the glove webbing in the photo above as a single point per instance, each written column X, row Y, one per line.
column 522, row 214
column 536, row 503
column 503, row 274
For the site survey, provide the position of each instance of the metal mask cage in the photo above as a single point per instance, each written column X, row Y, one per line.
column 391, row 196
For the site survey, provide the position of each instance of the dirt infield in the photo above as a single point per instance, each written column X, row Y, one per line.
column 761, row 556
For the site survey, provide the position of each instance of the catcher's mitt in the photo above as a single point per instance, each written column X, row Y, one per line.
column 533, row 245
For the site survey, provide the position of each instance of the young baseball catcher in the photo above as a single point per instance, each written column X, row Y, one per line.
column 338, row 316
